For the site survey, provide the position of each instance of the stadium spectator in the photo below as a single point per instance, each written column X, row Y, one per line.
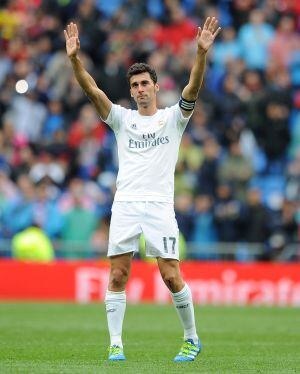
column 293, row 179
column 176, row 28
column 207, row 175
column 76, row 194
column 85, row 136
column 99, row 237
column 54, row 121
column 225, row 50
column 17, row 213
column 227, row 214
column 47, row 166
column 254, row 38
column 22, row 157
column 229, row 103
column 288, row 222
column 25, row 111
column 285, row 41
column 8, row 191
column 45, row 212
column 200, row 129
column 204, row 233
column 257, row 219
column 239, row 11
column 112, row 76
column 189, row 159
column 184, row 213
column 79, row 223
column 236, row 170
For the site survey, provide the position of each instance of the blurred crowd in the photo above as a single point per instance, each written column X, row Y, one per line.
column 238, row 172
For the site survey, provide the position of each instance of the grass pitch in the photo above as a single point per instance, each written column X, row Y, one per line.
column 68, row 338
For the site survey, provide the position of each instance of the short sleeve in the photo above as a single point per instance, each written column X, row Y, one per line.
column 115, row 117
column 181, row 121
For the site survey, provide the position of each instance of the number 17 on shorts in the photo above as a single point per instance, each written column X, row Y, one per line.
column 169, row 244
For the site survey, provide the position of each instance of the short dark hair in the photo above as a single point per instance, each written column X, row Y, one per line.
column 141, row 67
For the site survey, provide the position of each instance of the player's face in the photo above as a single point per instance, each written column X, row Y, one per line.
column 143, row 89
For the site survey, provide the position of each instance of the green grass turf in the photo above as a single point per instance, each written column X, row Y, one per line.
column 68, row 338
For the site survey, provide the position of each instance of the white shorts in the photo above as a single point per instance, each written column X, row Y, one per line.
column 155, row 220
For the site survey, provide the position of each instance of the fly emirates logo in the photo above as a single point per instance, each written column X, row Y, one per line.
column 148, row 141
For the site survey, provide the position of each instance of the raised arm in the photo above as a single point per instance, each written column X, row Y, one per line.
column 205, row 38
column 87, row 83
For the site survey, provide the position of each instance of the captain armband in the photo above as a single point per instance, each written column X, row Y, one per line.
column 186, row 104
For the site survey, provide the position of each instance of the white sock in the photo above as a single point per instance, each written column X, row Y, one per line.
column 115, row 310
column 185, row 309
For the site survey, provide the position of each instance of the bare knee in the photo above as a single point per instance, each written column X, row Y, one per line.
column 170, row 273
column 118, row 278
column 172, row 280
column 169, row 278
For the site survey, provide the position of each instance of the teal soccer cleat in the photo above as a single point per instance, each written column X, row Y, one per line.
column 116, row 353
column 189, row 351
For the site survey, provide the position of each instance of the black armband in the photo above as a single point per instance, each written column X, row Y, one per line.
column 186, row 104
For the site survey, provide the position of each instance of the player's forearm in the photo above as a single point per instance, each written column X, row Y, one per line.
column 85, row 80
column 98, row 97
column 191, row 91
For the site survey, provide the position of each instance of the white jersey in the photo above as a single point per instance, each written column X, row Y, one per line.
column 148, row 151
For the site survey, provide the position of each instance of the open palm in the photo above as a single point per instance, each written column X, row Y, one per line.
column 206, row 36
column 72, row 39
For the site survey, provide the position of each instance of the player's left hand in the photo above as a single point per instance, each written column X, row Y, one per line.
column 206, row 35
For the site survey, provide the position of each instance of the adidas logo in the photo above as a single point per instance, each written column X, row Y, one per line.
column 110, row 310
column 182, row 306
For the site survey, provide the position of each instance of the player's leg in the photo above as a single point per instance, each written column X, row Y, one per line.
column 120, row 266
column 123, row 241
column 115, row 301
column 183, row 302
column 162, row 236
column 181, row 295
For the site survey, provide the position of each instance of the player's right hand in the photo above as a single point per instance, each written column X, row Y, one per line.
column 72, row 40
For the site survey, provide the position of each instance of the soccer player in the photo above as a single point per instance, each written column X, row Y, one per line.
column 148, row 140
